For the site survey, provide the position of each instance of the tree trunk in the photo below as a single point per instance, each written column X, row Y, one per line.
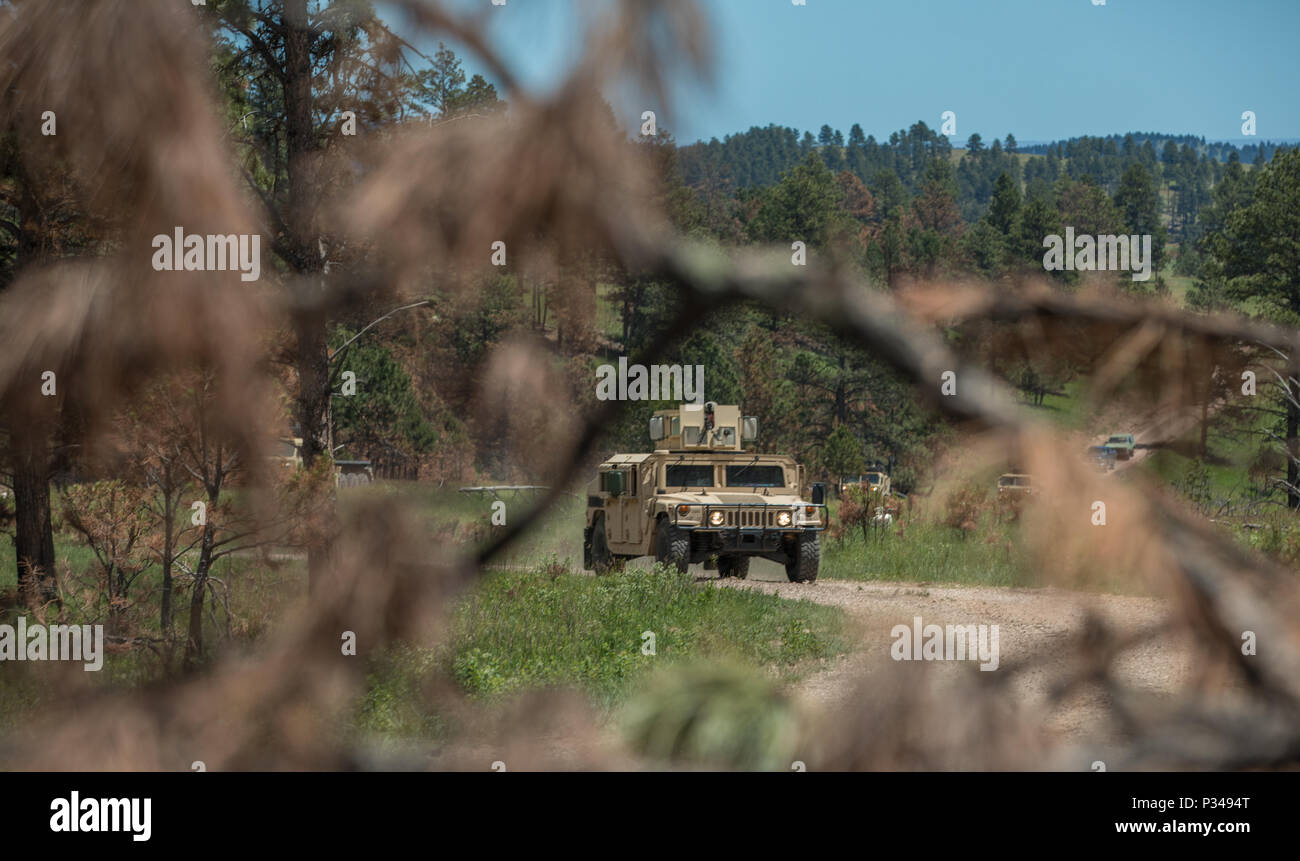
column 34, row 534
column 29, row 437
column 194, row 641
column 169, row 549
column 1292, row 444
column 312, row 363
column 1205, row 426
column 312, row 360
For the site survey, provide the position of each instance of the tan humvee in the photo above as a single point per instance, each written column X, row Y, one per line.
column 874, row 480
column 877, row 485
column 347, row 473
column 700, row 497
column 1015, row 482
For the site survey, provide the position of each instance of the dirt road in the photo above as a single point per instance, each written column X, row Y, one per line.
column 1151, row 430
column 1032, row 623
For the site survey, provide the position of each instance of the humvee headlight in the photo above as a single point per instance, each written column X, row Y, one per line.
column 683, row 510
column 783, row 519
column 716, row 518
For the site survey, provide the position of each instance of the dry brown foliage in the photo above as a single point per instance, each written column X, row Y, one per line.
column 138, row 131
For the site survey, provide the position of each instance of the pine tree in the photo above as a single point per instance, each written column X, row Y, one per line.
column 1005, row 207
column 1139, row 208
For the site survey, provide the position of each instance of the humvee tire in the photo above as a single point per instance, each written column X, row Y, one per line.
column 672, row 546
column 733, row 566
column 601, row 559
column 802, row 565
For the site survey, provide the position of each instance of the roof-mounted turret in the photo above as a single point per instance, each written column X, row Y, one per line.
column 702, row 427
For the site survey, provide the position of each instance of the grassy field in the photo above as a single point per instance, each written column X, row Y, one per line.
column 522, row 629
column 925, row 552
column 545, row 627
column 1220, row 477
column 534, row 622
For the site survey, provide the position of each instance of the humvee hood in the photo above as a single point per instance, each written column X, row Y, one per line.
column 732, row 498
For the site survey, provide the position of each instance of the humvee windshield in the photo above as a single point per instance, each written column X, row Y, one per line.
column 1119, row 438
column 754, row 475
column 286, row 449
column 873, row 478
column 689, row 475
column 1014, row 481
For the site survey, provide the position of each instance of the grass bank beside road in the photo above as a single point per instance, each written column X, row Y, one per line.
column 547, row 627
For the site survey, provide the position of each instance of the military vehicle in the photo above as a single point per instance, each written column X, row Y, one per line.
column 1101, row 457
column 700, row 497
column 347, row 473
column 874, row 480
column 1122, row 444
column 1015, row 482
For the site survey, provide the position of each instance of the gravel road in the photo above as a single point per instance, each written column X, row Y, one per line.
column 1035, row 624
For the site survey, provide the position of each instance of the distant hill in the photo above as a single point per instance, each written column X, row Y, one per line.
column 895, row 168
column 1247, row 149
column 758, row 157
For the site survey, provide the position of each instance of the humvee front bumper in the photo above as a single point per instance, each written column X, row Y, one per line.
column 746, row 527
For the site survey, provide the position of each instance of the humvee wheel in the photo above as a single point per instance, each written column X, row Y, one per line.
column 601, row 559
column 672, row 546
column 804, row 561
column 733, row 566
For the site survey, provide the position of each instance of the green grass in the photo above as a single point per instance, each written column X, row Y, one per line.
column 526, row 629
column 1225, row 469
column 546, row 628
column 930, row 553
column 609, row 318
column 70, row 553
column 1069, row 409
column 467, row 517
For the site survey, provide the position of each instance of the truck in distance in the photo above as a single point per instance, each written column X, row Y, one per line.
column 1122, row 444
column 1015, row 483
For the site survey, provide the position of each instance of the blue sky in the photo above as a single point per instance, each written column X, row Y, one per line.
column 1040, row 69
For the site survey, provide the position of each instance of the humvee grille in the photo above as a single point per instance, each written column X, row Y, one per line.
column 743, row 517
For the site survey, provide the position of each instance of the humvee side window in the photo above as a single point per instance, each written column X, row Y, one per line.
column 691, row 437
column 615, row 482
column 725, row 435
column 677, row 426
column 751, row 475
column 689, row 475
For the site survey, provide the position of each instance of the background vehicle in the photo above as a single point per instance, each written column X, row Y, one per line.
column 1015, row 482
column 347, row 473
column 879, row 490
column 875, row 480
column 1101, row 457
column 1122, row 444
column 699, row 497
